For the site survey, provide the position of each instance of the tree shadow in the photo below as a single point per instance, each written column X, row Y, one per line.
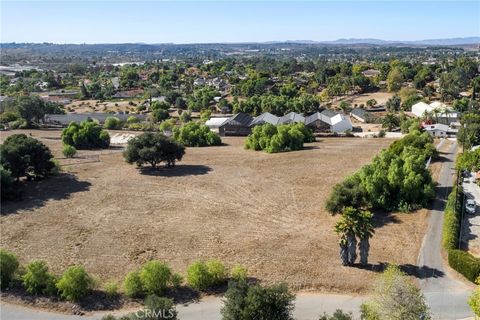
column 423, row 272
column 383, row 218
column 177, row 171
column 310, row 148
column 36, row 193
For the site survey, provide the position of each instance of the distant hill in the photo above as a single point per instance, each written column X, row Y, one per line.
column 428, row 42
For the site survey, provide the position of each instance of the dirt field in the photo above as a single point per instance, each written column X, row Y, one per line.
column 262, row 210
column 83, row 106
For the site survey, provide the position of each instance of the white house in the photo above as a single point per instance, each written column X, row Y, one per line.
column 437, row 130
column 441, row 112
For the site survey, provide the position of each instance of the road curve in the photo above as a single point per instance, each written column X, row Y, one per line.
column 446, row 296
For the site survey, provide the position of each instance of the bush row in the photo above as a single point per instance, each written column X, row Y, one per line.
column 153, row 278
column 451, row 223
column 464, row 263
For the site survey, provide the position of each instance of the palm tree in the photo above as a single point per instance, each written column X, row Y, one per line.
column 354, row 223
column 347, row 228
column 365, row 231
column 390, row 121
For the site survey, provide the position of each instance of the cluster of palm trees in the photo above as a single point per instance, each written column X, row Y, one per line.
column 354, row 224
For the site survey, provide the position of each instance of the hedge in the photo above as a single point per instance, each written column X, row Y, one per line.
column 451, row 223
column 464, row 263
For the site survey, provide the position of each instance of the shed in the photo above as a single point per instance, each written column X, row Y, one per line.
column 237, row 125
column 359, row 114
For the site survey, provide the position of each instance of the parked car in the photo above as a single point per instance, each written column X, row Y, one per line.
column 470, row 206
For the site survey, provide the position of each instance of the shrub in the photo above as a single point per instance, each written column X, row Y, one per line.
column 385, row 302
column 133, row 284
column 474, row 302
column 176, row 280
column 193, row 134
column 464, row 263
column 8, row 266
column 153, row 148
column 185, row 117
column 155, row 277
column 337, row 315
column 26, row 156
column 69, row 151
column 217, row 271
column 113, row 123
column 111, row 289
column 162, row 306
column 451, row 223
column 239, row 273
column 86, row 135
column 132, row 119
column 198, row 276
column 37, row 279
column 167, row 125
column 243, row 301
column 75, row 283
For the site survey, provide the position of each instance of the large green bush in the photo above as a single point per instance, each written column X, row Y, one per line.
column 272, row 139
column 153, row 148
column 86, row 135
column 464, row 263
column 218, row 272
column 397, row 179
column 37, row 279
column 75, row 283
column 69, row 151
column 243, row 301
column 193, row 134
column 474, row 302
column 7, row 189
column 198, row 276
column 451, row 222
column 8, row 266
column 155, row 277
column 25, row 156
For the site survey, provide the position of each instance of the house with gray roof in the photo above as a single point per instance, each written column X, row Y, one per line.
column 291, row 117
column 265, row 117
column 237, row 125
column 359, row 114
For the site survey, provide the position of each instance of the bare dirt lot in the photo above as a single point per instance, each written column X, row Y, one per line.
column 262, row 210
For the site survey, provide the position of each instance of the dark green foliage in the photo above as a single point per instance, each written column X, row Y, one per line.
column 469, row 132
column 31, row 109
column 279, row 138
column 86, row 135
column 395, row 180
column 337, row 315
column 8, row 189
column 159, row 308
column 451, row 222
column 25, row 156
column 464, row 263
column 113, row 123
column 469, row 160
column 153, row 148
column 8, row 266
column 75, row 283
column 193, row 134
column 37, row 279
column 245, row 302
column 160, row 111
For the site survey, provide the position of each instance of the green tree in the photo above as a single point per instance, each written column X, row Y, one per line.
column 393, row 104
column 469, row 132
column 395, row 80
column 337, row 315
column 25, row 156
column 395, row 297
column 153, row 148
column 86, row 135
column 390, row 121
column 245, row 302
column 193, row 134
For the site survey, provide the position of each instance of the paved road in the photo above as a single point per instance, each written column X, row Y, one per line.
column 446, row 296
column 307, row 307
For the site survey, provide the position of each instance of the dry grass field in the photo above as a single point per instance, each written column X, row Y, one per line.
column 262, row 210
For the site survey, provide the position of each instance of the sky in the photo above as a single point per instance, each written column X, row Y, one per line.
column 91, row 21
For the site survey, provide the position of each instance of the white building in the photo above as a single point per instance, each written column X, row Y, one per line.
column 440, row 112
